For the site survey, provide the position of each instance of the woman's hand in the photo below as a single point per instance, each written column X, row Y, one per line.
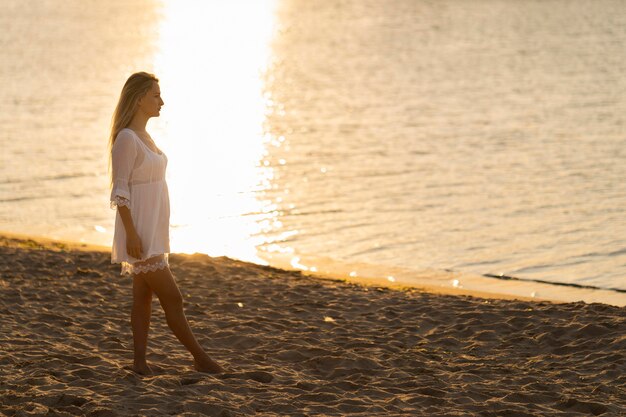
column 133, row 245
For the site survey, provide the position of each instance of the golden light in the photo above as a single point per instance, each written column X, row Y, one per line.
column 211, row 59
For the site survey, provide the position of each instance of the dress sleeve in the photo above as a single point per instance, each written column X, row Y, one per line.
column 123, row 157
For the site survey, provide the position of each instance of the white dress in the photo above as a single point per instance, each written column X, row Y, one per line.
column 139, row 183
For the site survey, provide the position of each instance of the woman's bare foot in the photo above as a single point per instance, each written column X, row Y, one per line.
column 142, row 368
column 207, row 365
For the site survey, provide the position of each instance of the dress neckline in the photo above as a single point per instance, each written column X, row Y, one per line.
column 160, row 153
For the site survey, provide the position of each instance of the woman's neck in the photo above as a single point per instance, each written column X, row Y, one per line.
column 138, row 122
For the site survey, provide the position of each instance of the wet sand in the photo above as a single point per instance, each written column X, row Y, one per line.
column 292, row 344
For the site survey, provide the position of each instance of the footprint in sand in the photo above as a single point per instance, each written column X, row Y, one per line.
column 259, row 376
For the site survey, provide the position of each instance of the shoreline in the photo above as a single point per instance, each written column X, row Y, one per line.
column 428, row 280
column 453, row 282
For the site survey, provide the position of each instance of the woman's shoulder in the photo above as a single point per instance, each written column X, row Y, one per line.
column 126, row 135
column 125, row 132
column 125, row 139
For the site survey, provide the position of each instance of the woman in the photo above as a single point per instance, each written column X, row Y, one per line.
column 141, row 238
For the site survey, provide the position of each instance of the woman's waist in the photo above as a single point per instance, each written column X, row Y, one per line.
column 153, row 181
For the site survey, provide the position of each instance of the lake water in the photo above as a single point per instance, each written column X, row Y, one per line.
column 481, row 136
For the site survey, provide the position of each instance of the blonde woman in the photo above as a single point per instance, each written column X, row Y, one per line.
column 141, row 238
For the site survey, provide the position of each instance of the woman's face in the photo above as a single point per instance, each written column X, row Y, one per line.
column 150, row 104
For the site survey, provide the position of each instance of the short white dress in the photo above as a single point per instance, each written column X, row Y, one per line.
column 139, row 183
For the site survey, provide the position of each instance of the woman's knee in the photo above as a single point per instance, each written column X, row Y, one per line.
column 172, row 300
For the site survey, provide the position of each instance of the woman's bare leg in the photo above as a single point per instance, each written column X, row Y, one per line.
column 140, row 323
column 164, row 286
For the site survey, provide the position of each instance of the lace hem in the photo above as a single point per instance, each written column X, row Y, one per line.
column 132, row 269
column 118, row 200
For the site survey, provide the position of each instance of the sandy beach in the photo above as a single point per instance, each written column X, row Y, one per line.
column 293, row 345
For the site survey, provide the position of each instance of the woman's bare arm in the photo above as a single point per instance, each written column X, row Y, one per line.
column 127, row 220
column 133, row 243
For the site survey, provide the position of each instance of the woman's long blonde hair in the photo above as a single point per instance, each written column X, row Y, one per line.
column 135, row 87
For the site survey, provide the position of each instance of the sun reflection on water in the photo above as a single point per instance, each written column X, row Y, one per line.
column 210, row 62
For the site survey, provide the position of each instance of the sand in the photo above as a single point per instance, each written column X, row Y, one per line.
column 293, row 345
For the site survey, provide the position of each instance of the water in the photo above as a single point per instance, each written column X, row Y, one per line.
column 479, row 136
